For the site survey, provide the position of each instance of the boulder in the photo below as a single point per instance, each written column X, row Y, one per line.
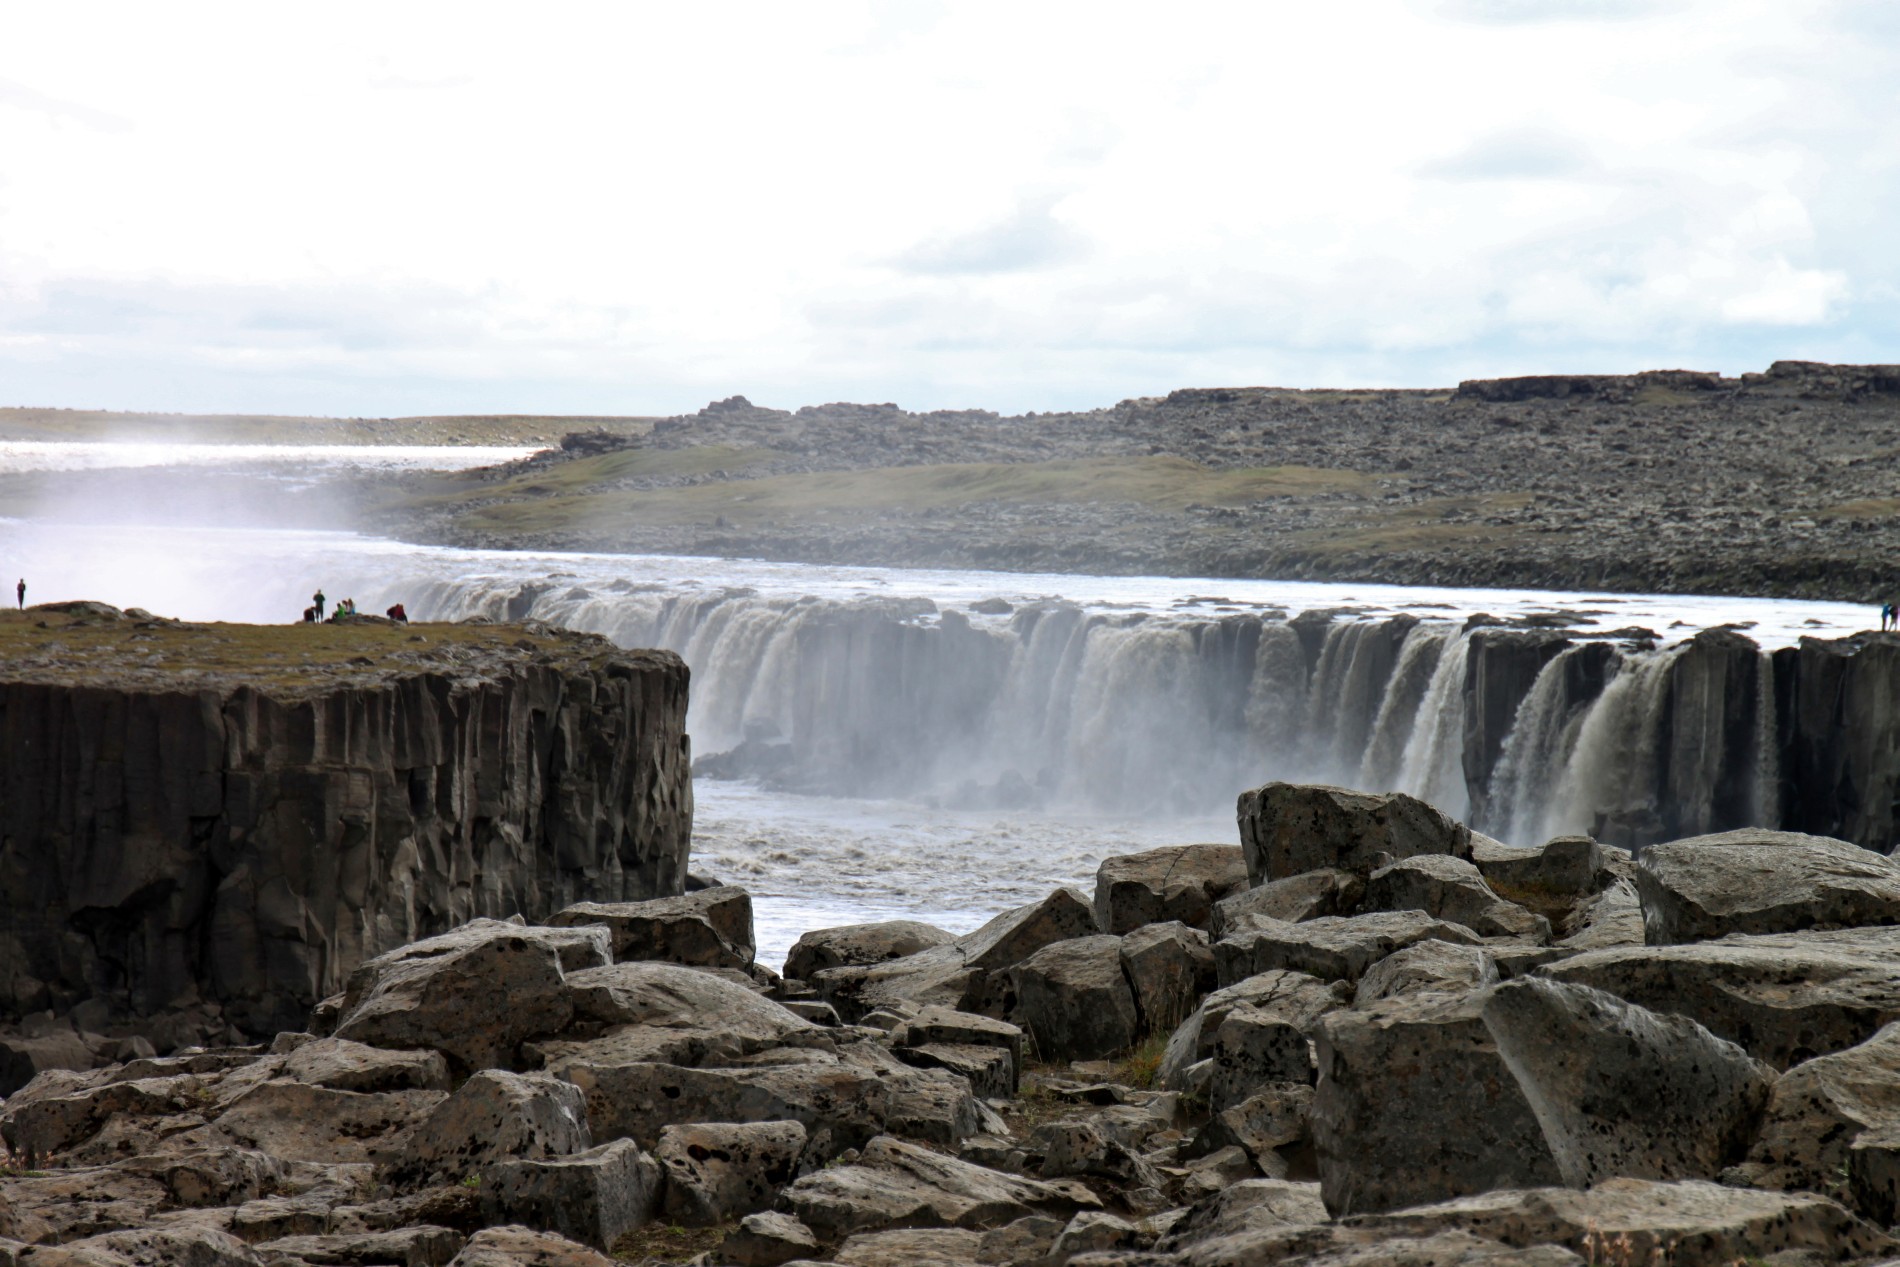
column 1276, row 1117
column 182, row 1246
column 1294, row 997
column 522, row 1247
column 852, row 945
column 1177, row 882
column 935, row 1025
column 1687, row 1223
column 958, row 974
column 1565, row 869
column 1308, row 895
column 666, row 1012
column 294, row 1121
column 58, row 1206
column 1427, row 1097
column 767, row 1239
column 711, row 928
column 912, row 1247
column 342, row 1065
column 1024, row 1241
column 1451, row 889
column 1074, row 1000
column 492, row 1116
column 474, row 993
column 1760, row 881
column 1288, row 828
column 717, row 1172
column 896, row 1184
column 1333, row 948
column 1873, row 1174
column 1169, row 967
column 1613, row 917
column 1250, row 1207
column 1819, row 1109
column 1253, row 1047
column 989, row 1070
column 595, row 1196
column 845, row 1102
column 1786, row 998
column 38, row 1127
column 1427, row 967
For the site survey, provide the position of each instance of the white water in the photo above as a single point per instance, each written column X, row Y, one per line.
column 987, row 756
column 100, row 455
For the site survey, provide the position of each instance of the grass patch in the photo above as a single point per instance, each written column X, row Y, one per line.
column 1141, row 1067
column 562, row 500
column 1429, row 525
column 1865, row 508
column 669, row 1243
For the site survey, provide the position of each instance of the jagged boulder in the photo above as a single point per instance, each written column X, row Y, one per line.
column 1760, row 881
column 1074, row 1000
column 1295, row 997
column 1564, row 869
column 854, row 945
column 492, row 1116
column 1786, row 998
column 1427, row 1097
column 959, row 974
column 1819, row 1109
column 717, row 1172
column 1253, row 1048
column 896, row 1184
column 342, row 1065
column 1427, row 967
column 1169, row 968
column 1309, row 895
column 474, row 993
column 1612, row 918
column 513, row 1246
column 1334, row 948
column 711, row 928
column 666, row 1012
column 595, row 1196
column 1451, row 889
column 987, row 1051
column 767, row 1239
column 1176, row 882
column 1289, row 828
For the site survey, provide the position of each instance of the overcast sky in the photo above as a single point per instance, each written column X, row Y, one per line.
column 635, row 208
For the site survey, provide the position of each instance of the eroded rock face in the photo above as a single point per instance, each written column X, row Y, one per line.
column 1759, row 881
column 1177, row 882
column 249, row 842
column 711, row 928
column 1289, row 828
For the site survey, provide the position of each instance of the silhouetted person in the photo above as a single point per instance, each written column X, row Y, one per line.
column 19, row 592
column 317, row 600
column 309, row 615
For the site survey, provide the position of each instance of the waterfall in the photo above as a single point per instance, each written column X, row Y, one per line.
column 1609, row 786
column 1398, row 717
column 1542, row 737
column 1432, row 768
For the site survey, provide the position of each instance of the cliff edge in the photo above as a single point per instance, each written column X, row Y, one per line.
column 210, row 826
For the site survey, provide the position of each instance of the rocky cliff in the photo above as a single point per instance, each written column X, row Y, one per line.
column 216, row 824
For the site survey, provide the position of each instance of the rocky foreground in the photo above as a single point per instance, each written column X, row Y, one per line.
column 1365, row 1035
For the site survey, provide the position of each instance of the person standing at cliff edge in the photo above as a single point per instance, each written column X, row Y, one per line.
column 19, row 592
column 317, row 600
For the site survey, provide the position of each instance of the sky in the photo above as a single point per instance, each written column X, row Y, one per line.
column 387, row 209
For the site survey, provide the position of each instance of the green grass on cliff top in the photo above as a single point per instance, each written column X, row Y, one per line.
column 43, row 646
column 571, row 495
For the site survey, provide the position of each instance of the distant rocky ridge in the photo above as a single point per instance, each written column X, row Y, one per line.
column 205, row 829
column 1781, row 482
column 1364, row 1035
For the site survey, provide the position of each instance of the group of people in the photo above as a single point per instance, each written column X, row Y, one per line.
column 1889, row 616
column 345, row 610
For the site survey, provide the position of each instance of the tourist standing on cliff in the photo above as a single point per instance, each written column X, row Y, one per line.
column 19, row 592
column 317, row 600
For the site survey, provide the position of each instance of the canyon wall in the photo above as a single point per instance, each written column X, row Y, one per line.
column 226, row 848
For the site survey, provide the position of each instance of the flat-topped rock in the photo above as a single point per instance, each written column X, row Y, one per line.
column 1450, row 889
column 1334, row 948
column 1760, row 881
column 851, row 945
column 711, row 928
column 1176, row 882
column 1289, row 828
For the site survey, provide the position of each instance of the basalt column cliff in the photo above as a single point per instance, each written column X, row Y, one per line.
column 216, row 824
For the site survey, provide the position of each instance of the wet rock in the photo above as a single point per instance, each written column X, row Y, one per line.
column 492, row 1116
column 1819, row 1109
column 1170, row 967
column 342, row 1065
column 1693, row 1223
column 1427, row 1097
column 958, row 973
column 1427, row 967
column 474, row 994
column 521, row 1247
column 1290, row 996
column 1451, row 889
column 895, row 1184
column 595, row 1196
column 1759, row 881
column 711, row 928
column 1309, row 895
column 1289, row 828
column 1073, row 999
column 1333, row 948
column 298, row 1122
column 767, row 1239
column 1785, row 998
column 1177, row 882
column 716, row 1172
column 853, row 945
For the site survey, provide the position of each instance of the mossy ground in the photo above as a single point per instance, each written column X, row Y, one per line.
column 668, row 1243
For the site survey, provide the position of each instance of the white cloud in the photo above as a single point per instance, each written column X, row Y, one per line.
column 376, row 210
